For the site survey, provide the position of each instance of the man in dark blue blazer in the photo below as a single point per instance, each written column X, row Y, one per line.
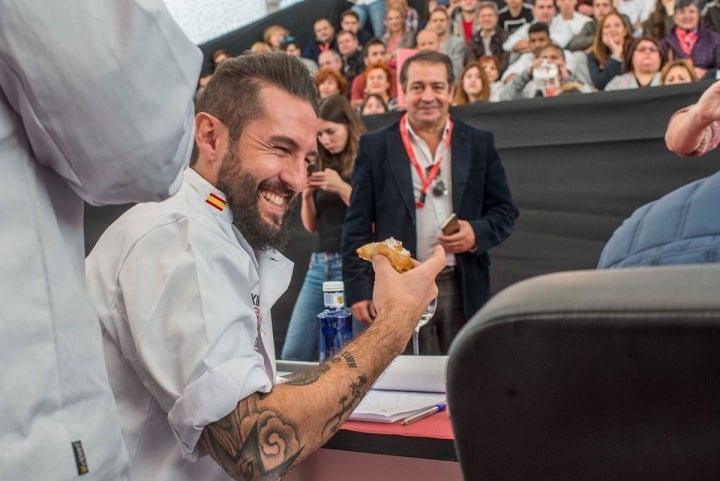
column 408, row 178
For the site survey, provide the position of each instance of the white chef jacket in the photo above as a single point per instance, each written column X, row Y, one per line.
column 95, row 105
column 184, row 302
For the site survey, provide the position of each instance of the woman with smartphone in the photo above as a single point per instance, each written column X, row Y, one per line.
column 324, row 203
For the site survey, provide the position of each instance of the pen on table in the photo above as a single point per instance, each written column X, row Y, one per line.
column 423, row 414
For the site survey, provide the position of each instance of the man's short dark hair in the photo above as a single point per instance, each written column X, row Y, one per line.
column 349, row 13
column 345, row 32
column 372, row 42
column 233, row 93
column 538, row 27
column 428, row 56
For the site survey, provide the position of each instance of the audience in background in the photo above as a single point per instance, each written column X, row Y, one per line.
column 637, row 12
column 374, row 52
column 660, row 21
column 514, row 15
column 544, row 12
column 274, row 36
column 584, row 40
column 330, row 82
column 473, row 85
column 575, row 20
column 330, row 59
column 373, row 104
column 491, row 66
column 427, row 39
column 643, row 61
column 350, row 22
column 463, row 20
column 489, row 38
column 372, row 10
column 528, row 84
column 439, row 22
column 324, row 203
column 677, row 72
column 690, row 40
column 260, row 47
column 291, row 48
column 605, row 60
column 410, row 15
column 379, row 80
column 218, row 57
column 324, row 39
column 351, row 55
column 396, row 36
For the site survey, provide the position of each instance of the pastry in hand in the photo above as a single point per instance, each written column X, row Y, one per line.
column 391, row 248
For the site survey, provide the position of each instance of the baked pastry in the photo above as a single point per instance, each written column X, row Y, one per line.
column 391, row 248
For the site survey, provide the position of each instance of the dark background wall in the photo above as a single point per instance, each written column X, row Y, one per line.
column 577, row 166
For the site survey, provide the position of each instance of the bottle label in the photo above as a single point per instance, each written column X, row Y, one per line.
column 334, row 299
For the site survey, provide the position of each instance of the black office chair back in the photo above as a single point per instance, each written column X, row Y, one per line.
column 592, row 375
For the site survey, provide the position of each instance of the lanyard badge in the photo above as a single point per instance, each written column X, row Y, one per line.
column 439, row 188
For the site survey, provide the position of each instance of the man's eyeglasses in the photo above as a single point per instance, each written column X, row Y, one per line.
column 647, row 49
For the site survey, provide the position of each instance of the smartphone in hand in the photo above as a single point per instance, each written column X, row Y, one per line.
column 451, row 225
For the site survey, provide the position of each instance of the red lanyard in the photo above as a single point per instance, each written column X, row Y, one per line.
column 425, row 181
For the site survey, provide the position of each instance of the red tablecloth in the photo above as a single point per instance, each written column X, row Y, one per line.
column 435, row 426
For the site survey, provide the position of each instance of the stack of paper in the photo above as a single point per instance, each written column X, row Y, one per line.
column 410, row 384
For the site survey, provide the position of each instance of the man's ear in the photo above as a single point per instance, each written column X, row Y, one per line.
column 211, row 138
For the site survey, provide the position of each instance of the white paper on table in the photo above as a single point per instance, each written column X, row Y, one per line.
column 391, row 406
column 414, row 373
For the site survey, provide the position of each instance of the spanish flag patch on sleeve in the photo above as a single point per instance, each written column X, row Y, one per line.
column 215, row 201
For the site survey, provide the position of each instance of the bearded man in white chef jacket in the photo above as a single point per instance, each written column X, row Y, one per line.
column 184, row 289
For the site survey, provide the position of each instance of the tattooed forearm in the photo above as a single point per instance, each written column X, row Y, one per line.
column 358, row 389
column 349, row 359
column 307, row 377
column 258, row 445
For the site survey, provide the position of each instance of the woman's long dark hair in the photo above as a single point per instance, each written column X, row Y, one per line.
column 337, row 108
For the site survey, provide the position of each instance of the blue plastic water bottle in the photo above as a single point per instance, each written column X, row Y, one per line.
column 334, row 323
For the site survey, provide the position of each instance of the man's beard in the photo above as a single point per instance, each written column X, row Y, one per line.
column 242, row 191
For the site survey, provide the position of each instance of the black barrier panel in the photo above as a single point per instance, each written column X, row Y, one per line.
column 577, row 166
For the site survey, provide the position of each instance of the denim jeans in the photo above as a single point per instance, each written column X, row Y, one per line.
column 302, row 335
column 376, row 12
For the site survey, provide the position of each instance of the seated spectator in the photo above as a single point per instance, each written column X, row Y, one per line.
column 489, row 38
column 538, row 38
column 260, row 47
column 351, row 54
column 450, row 44
column 473, row 85
column 605, row 61
column 396, row 36
column 583, row 41
column 427, row 39
column 491, row 66
column 637, row 12
column 274, row 36
column 324, row 39
column 688, row 39
column 373, row 10
column 330, row 59
column 463, row 20
column 375, row 51
column 661, row 20
column 677, row 72
column 218, row 57
column 330, row 82
column 682, row 227
column 544, row 12
column 373, row 104
column 711, row 15
column 378, row 80
column 575, row 20
column 350, row 22
column 514, row 15
column 527, row 85
column 643, row 61
column 410, row 15
column 291, row 48
column 695, row 130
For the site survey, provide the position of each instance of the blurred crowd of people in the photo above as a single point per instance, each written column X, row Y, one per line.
column 507, row 49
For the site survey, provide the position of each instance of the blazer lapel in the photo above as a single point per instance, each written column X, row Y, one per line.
column 400, row 168
column 461, row 152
